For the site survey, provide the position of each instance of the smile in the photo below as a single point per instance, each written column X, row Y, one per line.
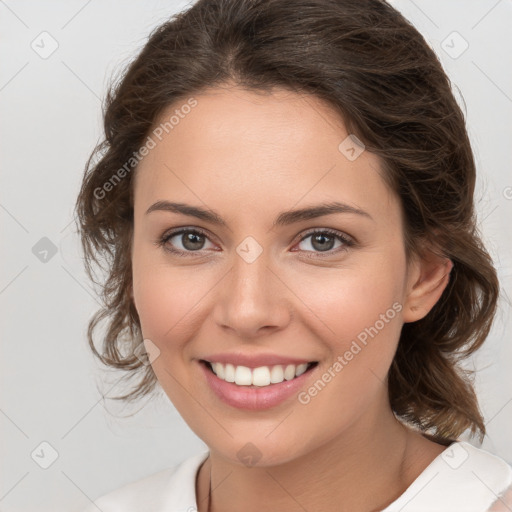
column 258, row 377
column 253, row 388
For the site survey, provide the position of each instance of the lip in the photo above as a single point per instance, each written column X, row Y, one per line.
column 254, row 398
column 254, row 360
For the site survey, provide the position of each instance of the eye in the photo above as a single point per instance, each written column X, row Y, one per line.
column 324, row 240
column 186, row 241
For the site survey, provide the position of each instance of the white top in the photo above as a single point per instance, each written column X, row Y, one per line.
column 462, row 478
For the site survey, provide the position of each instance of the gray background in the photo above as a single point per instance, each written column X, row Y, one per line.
column 50, row 122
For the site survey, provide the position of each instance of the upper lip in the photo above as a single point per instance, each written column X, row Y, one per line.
column 254, row 360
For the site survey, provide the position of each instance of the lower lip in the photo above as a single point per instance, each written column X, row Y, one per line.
column 254, row 398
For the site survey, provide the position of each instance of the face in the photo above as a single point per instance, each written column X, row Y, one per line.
column 327, row 288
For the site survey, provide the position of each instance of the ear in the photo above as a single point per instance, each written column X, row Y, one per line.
column 428, row 276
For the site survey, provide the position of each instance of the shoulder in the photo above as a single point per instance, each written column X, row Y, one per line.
column 463, row 461
column 462, row 477
column 169, row 489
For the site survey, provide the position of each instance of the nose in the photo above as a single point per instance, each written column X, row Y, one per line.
column 252, row 299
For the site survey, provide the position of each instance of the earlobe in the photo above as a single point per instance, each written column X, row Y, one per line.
column 430, row 277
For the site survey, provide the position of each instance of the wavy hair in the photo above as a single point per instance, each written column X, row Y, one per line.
column 376, row 70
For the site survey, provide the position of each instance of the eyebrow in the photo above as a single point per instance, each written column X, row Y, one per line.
column 284, row 218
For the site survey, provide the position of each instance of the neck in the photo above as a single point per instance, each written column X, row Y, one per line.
column 367, row 467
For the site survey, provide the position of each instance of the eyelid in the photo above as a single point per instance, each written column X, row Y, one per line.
column 167, row 235
column 347, row 242
column 330, row 231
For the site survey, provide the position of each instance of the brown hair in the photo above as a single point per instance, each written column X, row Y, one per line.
column 376, row 70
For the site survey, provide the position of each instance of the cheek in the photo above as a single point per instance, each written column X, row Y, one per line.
column 363, row 316
column 357, row 311
column 165, row 304
column 348, row 300
column 164, row 301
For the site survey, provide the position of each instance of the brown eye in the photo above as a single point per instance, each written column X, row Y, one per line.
column 192, row 241
column 321, row 242
column 324, row 241
column 184, row 241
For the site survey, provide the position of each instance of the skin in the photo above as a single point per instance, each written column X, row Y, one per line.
column 248, row 156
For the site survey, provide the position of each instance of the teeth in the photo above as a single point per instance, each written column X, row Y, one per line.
column 276, row 375
column 289, row 372
column 229, row 372
column 261, row 376
column 301, row 368
column 243, row 376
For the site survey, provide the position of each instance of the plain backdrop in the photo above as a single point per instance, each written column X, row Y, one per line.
column 56, row 60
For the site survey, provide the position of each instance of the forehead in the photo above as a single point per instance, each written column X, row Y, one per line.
column 252, row 150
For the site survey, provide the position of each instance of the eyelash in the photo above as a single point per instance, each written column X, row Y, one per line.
column 162, row 242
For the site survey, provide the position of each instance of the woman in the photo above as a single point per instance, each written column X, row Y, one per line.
column 284, row 197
